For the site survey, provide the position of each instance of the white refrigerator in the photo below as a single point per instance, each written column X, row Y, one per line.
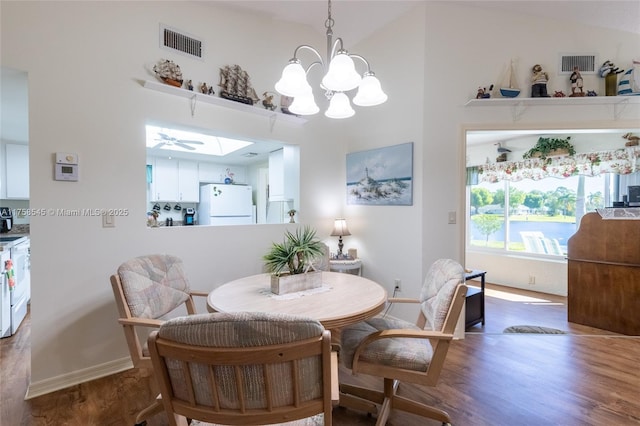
column 222, row 204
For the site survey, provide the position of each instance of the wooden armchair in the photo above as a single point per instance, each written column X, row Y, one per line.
column 146, row 289
column 244, row 369
column 397, row 350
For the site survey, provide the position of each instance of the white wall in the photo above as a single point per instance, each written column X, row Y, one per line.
column 85, row 61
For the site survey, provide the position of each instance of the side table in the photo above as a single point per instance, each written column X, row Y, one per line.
column 346, row 265
column 474, row 306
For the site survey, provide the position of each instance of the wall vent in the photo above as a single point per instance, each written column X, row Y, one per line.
column 585, row 63
column 173, row 39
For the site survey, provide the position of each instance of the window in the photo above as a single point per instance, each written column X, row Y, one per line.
column 534, row 205
column 539, row 216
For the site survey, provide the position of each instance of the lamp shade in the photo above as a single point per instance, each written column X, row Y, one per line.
column 342, row 75
column 370, row 92
column 293, row 81
column 304, row 105
column 339, row 107
column 340, row 228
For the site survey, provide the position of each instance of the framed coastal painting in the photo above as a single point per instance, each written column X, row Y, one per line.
column 381, row 177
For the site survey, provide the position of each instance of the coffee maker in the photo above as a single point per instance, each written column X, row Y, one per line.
column 6, row 219
column 189, row 216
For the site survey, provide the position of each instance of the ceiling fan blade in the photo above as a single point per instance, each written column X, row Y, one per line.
column 192, row 142
column 165, row 136
column 158, row 145
column 180, row 144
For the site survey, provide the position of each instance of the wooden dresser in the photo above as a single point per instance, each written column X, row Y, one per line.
column 604, row 274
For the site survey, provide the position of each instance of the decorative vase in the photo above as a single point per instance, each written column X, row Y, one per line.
column 287, row 283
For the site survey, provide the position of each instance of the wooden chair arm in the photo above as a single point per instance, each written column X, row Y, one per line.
column 141, row 322
column 402, row 300
column 199, row 293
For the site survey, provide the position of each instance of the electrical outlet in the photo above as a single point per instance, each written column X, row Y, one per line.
column 397, row 285
column 532, row 279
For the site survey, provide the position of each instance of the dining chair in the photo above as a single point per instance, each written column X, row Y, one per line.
column 244, row 368
column 397, row 350
column 147, row 289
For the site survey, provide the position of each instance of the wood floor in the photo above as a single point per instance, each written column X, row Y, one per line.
column 584, row 377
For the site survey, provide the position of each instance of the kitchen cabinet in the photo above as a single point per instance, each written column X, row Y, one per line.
column 284, row 174
column 17, row 169
column 175, row 180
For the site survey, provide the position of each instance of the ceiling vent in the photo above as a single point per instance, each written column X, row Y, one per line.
column 586, row 63
column 173, row 39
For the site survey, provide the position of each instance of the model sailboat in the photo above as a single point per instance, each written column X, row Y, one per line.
column 511, row 90
column 169, row 72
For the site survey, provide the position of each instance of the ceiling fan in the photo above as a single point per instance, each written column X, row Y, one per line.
column 171, row 141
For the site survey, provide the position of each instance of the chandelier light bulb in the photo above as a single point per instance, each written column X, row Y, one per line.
column 339, row 107
column 293, row 81
column 370, row 92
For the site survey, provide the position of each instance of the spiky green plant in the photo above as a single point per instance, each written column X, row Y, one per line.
column 295, row 254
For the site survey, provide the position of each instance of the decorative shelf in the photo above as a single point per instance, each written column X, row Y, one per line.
column 519, row 105
column 218, row 101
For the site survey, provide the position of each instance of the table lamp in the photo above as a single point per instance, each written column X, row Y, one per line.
column 340, row 230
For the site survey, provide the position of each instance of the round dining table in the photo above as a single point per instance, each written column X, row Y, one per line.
column 342, row 300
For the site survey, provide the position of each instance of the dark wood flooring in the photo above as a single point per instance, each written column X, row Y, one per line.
column 585, row 377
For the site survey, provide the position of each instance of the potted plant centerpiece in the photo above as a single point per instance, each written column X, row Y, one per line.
column 549, row 147
column 291, row 262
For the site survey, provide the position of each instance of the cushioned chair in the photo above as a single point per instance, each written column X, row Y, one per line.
column 244, row 369
column 397, row 350
column 146, row 289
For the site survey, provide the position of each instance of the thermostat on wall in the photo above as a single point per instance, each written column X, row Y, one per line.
column 66, row 167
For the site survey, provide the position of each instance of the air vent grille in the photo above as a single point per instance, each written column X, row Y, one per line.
column 585, row 63
column 173, row 39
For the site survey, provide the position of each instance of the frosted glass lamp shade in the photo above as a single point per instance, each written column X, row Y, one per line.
column 304, row 105
column 370, row 92
column 293, row 81
column 339, row 107
column 342, row 75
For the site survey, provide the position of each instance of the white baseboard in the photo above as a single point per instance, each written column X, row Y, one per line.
column 53, row 384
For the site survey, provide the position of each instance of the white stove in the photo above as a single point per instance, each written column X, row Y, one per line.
column 13, row 302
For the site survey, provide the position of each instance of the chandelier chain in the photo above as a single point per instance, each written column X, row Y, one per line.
column 329, row 22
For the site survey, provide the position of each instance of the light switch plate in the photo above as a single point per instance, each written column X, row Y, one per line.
column 452, row 218
column 108, row 221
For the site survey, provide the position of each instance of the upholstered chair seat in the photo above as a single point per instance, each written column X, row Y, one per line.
column 397, row 350
column 147, row 290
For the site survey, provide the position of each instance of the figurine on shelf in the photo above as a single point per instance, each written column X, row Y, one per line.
column 292, row 214
column 576, row 82
column 539, row 82
column 591, row 93
column 559, row 94
column 204, row 88
column 211, row 92
column 483, row 93
column 189, row 85
column 267, row 102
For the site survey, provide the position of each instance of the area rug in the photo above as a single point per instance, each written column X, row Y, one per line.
column 533, row 329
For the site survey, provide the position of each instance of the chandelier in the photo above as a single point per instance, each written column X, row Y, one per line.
column 340, row 76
